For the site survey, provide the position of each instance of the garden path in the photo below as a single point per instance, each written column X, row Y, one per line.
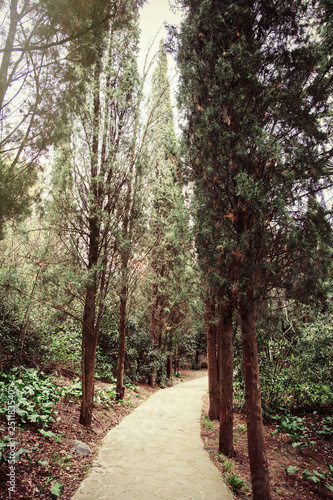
column 156, row 452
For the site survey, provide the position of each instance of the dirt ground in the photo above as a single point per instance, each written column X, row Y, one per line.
column 52, row 460
column 280, row 454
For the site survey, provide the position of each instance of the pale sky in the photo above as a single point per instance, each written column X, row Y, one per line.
column 153, row 15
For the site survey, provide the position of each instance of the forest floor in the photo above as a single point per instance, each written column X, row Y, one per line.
column 49, row 462
column 281, row 455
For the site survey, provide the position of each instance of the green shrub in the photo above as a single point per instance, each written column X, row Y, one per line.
column 140, row 358
column 325, row 429
column 61, row 342
column 296, row 372
column 102, row 396
column 33, row 394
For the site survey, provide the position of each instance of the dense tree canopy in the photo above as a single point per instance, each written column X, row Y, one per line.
column 145, row 242
column 256, row 87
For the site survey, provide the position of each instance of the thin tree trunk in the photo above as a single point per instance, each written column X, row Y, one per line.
column 169, row 365
column 120, row 389
column 213, row 376
column 89, row 344
column 14, row 18
column 89, row 330
column 226, row 394
column 154, row 334
column 175, row 363
column 125, row 256
column 255, row 428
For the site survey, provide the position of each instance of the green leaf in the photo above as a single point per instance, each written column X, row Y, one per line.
column 305, row 474
column 43, row 462
column 291, row 470
column 48, row 434
column 56, row 489
column 20, row 452
column 34, row 417
column 316, row 480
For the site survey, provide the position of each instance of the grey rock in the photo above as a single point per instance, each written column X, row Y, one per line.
column 81, row 448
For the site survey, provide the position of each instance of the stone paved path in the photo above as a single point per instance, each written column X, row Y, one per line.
column 156, row 453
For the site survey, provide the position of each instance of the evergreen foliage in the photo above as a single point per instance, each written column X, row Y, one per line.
column 15, row 192
column 168, row 219
column 295, row 363
column 120, row 244
column 255, row 94
column 257, row 136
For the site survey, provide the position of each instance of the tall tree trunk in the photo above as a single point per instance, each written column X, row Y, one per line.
column 169, row 365
column 125, row 257
column 255, row 428
column 176, row 361
column 89, row 329
column 213, row 375
column 154, row 333
column 7, row 53
column 89, row 344
column 120, row 389
column 226, row 389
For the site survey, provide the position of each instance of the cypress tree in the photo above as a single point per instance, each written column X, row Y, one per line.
column 255, row 92
column 92, row 178
column 168, row 219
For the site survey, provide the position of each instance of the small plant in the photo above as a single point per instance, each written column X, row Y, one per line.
column 5, row 456
column 3, row 448
column 56, row 489
column 295, row 428
column 291, row 425
column 50, row 435
column 22, row 452
column 291, row 470
column 74, row 390
column 320, row 478
column 43, row 462
column 235, row 482
column 126, row 403
column 102, row 396
column 207, row 423
column 326, row 429
column 68, row 459
column 48, row 479
column 105, row 397
column 34, row 395
column 225, row 462
column 241, row 427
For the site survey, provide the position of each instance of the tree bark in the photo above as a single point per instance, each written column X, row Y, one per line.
column 125, row 257
column 169, row 365
column 154, row 333
column 213, row 375
column 226, row 445
column 255, row 428
column 176, row 361
column 120, row 389
column 89, row 344
column 89, row 329
column 14, row 18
